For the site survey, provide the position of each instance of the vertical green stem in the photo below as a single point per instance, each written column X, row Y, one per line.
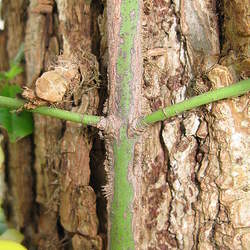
column 125, row 77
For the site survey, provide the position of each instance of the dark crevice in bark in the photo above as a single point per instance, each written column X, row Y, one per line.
column 97, row 181
column 198, row 186
column 182, row 128
column 96, row 50
column 6, row 206
column 199, row 161
column 35, row 205
column 56, row 30
column 96, row 10
column 63, row 129
column 97, row 153
column 170, row 185
column 213, row 231
column 220, row 14
column 60, row 230
column 165, row 150
column 25, row 12
column 196, row 236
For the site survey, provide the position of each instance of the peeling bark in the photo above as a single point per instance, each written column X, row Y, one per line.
column 181, row 198
column 62, row 149
column 226, row 168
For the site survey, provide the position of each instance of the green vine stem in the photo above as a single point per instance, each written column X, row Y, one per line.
column 125, row 72
column 20, row 54
column 197, row 101
column 233, row 90
column 13, row 104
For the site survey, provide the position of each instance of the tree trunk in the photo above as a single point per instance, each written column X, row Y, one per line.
column 192, row 171
column 51, row 196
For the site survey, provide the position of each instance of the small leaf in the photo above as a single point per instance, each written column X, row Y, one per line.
column 18, row 125
column 10, row 90
column 2, row 181
column 22, row 125
column 13, row 235
column 14, row 70
column 2, row 216
column 3, row 227
column 2, row 76
column 10, row 245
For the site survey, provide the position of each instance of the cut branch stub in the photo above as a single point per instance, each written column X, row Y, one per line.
column 52, row 85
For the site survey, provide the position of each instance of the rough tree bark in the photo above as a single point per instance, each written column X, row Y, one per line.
column 60, row 211
column 193, row 169
column 195, row 176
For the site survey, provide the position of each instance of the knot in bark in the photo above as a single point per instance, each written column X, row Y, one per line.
column 137, row 127
column 110, row 126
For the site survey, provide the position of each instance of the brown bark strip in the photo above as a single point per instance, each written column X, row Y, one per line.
column 199, row 27
column 34, row 43
column 62, row 164
column 227, row 165
column 113, row 25
column 228, row 158
column 20, row 177
column 77, row 198
column 172, row 32
column 47, row 134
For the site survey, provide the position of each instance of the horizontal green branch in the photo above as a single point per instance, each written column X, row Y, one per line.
column 13, row 103
column 160, row 115
column 194, row 102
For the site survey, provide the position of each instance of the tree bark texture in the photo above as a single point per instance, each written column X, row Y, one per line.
column 18, row 163
column 192, row 171
column 50, row 195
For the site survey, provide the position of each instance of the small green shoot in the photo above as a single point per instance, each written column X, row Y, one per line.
column 18, row 125
column 9, row 75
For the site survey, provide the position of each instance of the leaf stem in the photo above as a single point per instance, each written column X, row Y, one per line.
column 20, row 55
column 13, row 103
column 234, row 90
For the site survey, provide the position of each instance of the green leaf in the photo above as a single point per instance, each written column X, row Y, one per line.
column 2, row 76
column 18, row 125
column 10, row 90
column 13, row 235
column 20, row 54
column 10, row 245
column 14, row 70
column 3, row 227
column 2, row 215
